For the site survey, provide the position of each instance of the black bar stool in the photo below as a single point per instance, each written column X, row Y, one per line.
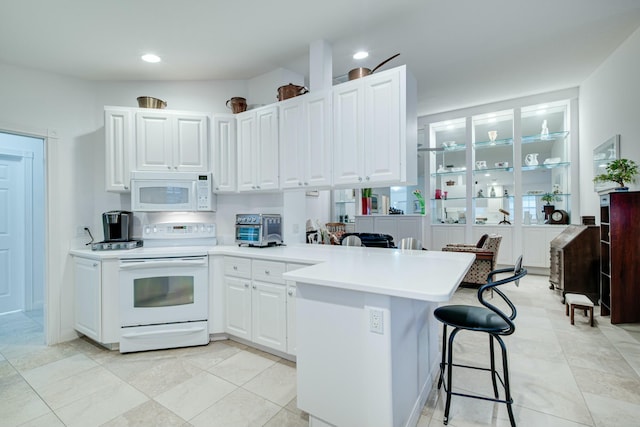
column 487, row 319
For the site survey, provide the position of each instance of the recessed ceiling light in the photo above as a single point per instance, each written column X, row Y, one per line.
column 360, row 55
column 150, row 57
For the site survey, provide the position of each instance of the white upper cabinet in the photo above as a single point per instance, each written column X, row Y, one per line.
column 258, row 149
column 119, row 145
column 375, row 130
column 305, row 141
column 171, row 141
column 224, row 160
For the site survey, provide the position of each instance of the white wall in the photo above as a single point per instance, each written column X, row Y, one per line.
column 609, row 101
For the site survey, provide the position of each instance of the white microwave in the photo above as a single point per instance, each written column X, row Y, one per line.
column 171, row 191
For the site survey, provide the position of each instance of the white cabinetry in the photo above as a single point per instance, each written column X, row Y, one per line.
column 237, row 283
column 96, row 306
column 375, row 130
column 536, row 244
column 256, row 303
column 224, row 160
column 305, row 141
column 398, row 226
column 258, row 149
column 444, row 234
column 171, row 141
column 119, row 145
column 291, row 310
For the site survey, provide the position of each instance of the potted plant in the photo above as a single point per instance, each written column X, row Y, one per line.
column 548, row 208
column 619, row 171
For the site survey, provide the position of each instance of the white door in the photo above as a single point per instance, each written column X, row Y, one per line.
column 190, row 151
column 12, row 233
column 153, row 142
column 269, row 315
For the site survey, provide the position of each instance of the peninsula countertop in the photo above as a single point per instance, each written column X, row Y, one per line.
column 421, row 275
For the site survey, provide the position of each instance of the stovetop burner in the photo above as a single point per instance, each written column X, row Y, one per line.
column 109, row 246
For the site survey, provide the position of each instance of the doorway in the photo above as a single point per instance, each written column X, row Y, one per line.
column 22, row 229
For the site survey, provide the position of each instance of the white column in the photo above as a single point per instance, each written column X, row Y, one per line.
column 320, row 66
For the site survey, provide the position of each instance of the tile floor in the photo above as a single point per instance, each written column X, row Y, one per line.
column 561, row 375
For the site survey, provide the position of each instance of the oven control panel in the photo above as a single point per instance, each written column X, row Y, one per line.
column 189, row 230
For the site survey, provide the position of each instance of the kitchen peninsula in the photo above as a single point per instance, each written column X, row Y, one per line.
column 363, row 331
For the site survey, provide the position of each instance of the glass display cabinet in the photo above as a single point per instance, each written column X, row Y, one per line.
column 492, row 176
column 545, row 163
column 448, row 178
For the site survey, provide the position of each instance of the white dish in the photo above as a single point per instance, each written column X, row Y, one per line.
column 552, row 160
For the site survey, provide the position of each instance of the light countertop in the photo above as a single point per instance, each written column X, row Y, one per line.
column 422, row 275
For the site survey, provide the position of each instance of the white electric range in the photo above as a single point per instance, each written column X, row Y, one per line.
column 164, row 288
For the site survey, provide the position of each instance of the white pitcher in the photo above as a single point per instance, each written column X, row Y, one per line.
column 531, row 159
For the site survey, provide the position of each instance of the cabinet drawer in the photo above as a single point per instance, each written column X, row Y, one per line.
column 238, row 267
column 268, row 271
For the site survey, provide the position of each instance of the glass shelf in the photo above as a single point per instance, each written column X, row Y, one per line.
column 449, row 149
column 448, row 199
column 542, row 194
column 487, row 170
column 494, row 198
column 496, row 143
column 547, row 166
column 449, row 173
column 553, row 136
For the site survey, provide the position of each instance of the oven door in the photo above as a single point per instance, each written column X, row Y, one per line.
column 157, row 291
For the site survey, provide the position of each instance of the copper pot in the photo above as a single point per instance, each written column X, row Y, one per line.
column 290, row 90
column 150, row 102
column 238, row 104
column 359, row 72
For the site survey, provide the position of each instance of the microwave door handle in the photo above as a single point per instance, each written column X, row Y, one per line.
column 162, row 263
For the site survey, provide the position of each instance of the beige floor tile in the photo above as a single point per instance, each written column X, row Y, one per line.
column 292, row 406
column 68, row 390
column 609, row 412
column 286, row 418
column 102, row 406
column 241, row 367
column 60, row 369
column 238, row 409
column 48, row 420
column 163, row 375
column 193, row 396
column 205, row 357
column 149, row 413
column 277, row 383
column 19, row 404
column 624, row 388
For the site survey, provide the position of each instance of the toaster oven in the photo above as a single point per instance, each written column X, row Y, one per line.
column 258, row 229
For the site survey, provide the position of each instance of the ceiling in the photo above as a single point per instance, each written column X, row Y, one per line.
column 462, row 52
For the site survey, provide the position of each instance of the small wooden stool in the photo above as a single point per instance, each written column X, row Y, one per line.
column 580, row 301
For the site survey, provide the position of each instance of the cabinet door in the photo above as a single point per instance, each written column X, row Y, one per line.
column 409, row 226
column 267, row 147
column 238, row 307
column 190, row 152
column 153, row 141
column 88, row 301
column 293, row 147
column 224, row 153
column 536, row 245
column 382, row 136
column 269, row 318
column 442, row 235
column 119, row 140
column 247, row 155
column 319, row 144
column 364, row 224
column 348, row 127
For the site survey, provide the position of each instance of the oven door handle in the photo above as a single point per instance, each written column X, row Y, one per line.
column 132, row 265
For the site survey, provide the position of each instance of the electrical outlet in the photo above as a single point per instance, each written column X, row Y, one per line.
column 81, row 232
column 376, row 320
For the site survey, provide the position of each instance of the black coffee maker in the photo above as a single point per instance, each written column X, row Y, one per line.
column 118, row 226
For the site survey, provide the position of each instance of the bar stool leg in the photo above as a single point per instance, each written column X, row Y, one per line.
column 507, row 389
column 444, row 354
column 493, row 366
column 449, row 386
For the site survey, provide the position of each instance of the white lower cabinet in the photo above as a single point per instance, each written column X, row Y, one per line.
column 256, row 301
column 96, row 299
column 397, row 226
column 291, row 310
column 536, row 244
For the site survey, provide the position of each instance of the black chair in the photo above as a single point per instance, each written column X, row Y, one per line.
column 487, row 319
